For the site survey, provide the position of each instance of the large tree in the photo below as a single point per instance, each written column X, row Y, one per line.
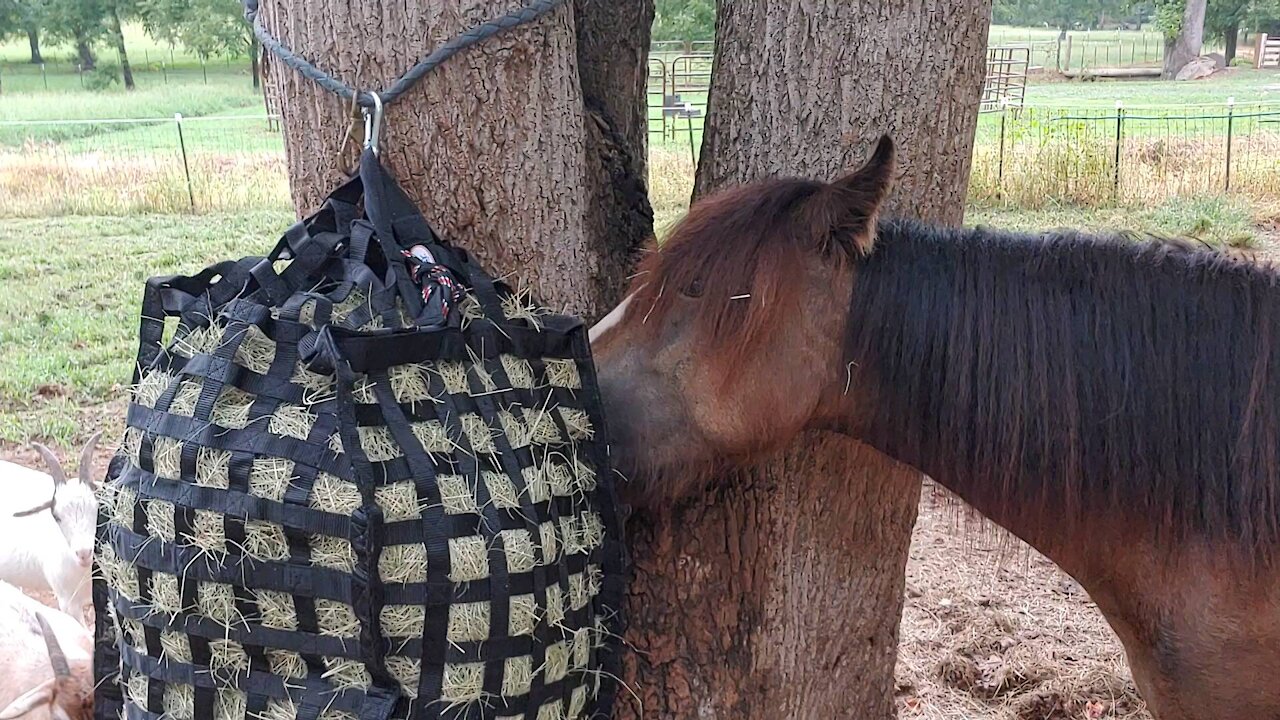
column 778, row 594
column 23, row 17
column 1183, row 24
column 528, row 149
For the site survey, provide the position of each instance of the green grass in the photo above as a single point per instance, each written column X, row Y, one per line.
column 69, row 294
column 142, row 49
column 1244, row 84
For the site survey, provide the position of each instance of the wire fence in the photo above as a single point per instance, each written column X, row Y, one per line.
column 1023, row 156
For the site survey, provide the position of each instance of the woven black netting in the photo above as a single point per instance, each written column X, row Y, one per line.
column 360, row 479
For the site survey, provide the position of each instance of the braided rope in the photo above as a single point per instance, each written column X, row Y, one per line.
column 530, row 12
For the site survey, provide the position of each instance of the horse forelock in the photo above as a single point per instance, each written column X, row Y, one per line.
column 740, row 252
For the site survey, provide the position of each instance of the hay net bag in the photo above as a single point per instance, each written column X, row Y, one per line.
column 369, row 483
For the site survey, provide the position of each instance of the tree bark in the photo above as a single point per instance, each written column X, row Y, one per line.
column 1187, row 45
column 117, row 32
column 84, row 51
column 33, row 40
column 255, row 69
column 1230, row 42
column 526, row 149
column 778, row 595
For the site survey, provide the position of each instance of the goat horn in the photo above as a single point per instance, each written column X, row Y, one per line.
column 57, row 660
column 86, row 461
column 55, row 467
column 37, row 509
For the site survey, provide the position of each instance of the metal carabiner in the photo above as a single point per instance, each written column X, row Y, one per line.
column 372, row 123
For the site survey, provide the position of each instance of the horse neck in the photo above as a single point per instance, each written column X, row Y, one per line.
column 968, row 364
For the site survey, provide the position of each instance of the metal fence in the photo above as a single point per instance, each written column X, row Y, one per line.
column 1022, row 156
column 1126, row 156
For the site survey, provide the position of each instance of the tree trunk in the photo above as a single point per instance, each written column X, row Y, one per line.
column 255, row 69
column 1230, row 41
column 84, row 51
column 526, row 149
column 117, row 32
column 33, row 40
column 1187, row 45
column 779, row 594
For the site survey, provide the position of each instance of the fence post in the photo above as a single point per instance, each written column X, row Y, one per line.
column 80, row 72
column 164, row 70
column 44, row 74
column 1067, row 66
column 1004, row 114
column 204, row 69
column 1119, row 141
column 688, row 117
column 1231, row 113
column 186, row 168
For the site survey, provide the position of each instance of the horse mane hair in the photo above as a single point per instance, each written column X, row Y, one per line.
column 1050, row 375
column 1067, row 373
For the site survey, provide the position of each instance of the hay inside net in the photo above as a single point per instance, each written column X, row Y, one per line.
column 378, row 444
column 454, row 377
column 231, row 409
column 517, row 676
column 409, row 383
column 276, row 609
column 398, row 501
column 479, row 434
column 403, row 563
column 332, row 494
column 403, row 621
column 516, row 431
column 286, row 663
column 457, row 494
column 563, row 373
column 166, row 457
column 265, row 540
column 523, row 615
column 468, row 622
column 519, row 371
column 218, row 602
column 175, row 646
column 336, row 619
column 354, row 300
column 407, row 673
column 463, row 682
column 270, row 477
column 557, row 662
column 207, row 533
column 160, row 520
column 333, row 553
column 292, row 421
column 502, row 492
column 256, row 351
column 184, row 401
column 433, row 437
column 346, row 674
column 199, row 340
column 213, row 468
column 468, row 559
column 179, row 701
column 230, row 704
column 520, row 550
column 166, row 594
column 227, row 657
column 577, row 423
column 152, row 385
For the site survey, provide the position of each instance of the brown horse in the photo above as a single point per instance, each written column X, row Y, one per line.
column 1112, row 400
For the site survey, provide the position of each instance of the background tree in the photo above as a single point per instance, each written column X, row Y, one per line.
column 23, row 17
column 1182, row 22
column 684, row 20
column 206, row 27
column 778, row 595
column 1061, row 14
column 78, row 22
column 113, row 11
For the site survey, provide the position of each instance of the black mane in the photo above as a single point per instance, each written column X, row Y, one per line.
column 1069, row 373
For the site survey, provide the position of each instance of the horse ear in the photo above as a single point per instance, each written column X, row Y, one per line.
column 855, row 199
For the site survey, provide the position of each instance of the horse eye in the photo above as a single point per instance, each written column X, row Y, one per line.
column 694, row 289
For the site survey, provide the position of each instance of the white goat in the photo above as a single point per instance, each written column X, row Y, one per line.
column 47, row 527
column 47, row 658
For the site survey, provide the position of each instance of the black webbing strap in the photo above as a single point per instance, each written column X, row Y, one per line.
column 527, row 14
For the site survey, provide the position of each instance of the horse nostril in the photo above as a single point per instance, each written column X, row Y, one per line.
column 85, row 557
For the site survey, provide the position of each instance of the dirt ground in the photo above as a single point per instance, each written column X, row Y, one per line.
column 991, row 630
